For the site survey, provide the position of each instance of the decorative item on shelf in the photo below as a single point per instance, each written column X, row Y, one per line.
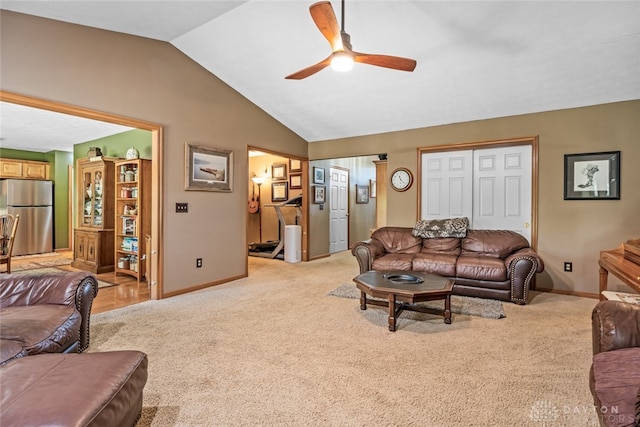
column 132, row 154
column 123, row 262
column 125, row 193
column 94, row 152
column 129, row 176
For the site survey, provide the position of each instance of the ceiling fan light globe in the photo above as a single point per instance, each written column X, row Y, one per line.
column 342, row 61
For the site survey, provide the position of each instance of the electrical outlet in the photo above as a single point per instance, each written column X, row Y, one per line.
column 182, row 207
column 198, row 262
column 568, row 266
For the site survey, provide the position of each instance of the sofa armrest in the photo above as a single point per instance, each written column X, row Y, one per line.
column 366, row 252
column 615, row 325
column 76, row 289
column 522, row 266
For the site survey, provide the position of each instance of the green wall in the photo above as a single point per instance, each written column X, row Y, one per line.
column 111, row 146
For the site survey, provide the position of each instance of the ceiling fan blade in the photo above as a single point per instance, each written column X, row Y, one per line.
column 306, row 72
column 386, row 61
column 325, row 19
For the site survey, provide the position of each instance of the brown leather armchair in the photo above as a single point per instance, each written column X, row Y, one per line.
column 45, row 313
column 614, row 378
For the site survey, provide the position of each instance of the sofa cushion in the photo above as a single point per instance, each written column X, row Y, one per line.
column 493, row 243
column 398, row 240
column 10, row 349
column 443, row 245
column 90, row 389
column 433, row 228
column 441, row 264
column 617, row 380
column 390, row 262
column 46, row 328
column 481, row 268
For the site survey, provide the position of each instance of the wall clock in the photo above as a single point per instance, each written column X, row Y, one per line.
column 401, row 179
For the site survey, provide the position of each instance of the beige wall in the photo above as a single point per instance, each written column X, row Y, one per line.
column 152, row 81
column 567, row 230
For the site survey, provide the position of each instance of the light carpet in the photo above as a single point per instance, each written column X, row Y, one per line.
column 489, row 308
column 273, row 349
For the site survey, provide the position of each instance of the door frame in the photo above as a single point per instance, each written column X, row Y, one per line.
column 157, row 242
column 528, row 140
column 304, row 163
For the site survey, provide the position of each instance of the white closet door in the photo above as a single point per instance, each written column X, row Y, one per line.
column 447, row 185
column 502, row 189
column 491, row 187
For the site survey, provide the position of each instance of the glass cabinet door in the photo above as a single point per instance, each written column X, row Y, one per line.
column 97, row 198
column 92, row 196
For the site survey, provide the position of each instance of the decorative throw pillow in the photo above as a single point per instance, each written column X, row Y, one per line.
column 434, row 228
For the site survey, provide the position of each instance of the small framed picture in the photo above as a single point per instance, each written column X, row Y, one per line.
column 362, row 194
column 592, row 176
column 279, row 172
column 295, row 165
column 295, row 181
column 208, row 168
column 318, row 175
column 279, row 192
column 373, row 188
column 319, row 195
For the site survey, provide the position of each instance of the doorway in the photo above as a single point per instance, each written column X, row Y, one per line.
column 156, row 267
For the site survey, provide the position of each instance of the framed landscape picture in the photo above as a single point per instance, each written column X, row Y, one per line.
column 592, row 176
column 208, row 168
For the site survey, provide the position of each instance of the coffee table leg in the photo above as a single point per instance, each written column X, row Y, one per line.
column 447, row 310
column 392, row 312
column 363, row 301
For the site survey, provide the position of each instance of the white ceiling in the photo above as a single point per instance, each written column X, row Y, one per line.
column 476, row 59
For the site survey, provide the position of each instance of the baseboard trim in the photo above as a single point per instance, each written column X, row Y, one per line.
column 571, row 293
column 203, row 286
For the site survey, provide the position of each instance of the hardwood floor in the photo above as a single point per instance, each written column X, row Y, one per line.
column 127, row 290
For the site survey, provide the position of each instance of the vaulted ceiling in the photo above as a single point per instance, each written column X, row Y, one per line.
column 475, row 59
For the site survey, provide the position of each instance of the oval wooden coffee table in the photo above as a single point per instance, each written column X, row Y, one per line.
column 401, row 289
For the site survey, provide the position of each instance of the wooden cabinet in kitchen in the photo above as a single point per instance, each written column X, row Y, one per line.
column 25, row 169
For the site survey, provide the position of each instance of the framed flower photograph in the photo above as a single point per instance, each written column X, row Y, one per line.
column 319, row 194
column 362, row 194
column 592, row 176
column 318, row 175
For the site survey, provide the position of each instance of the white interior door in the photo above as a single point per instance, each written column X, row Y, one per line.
column 339, row 210
column 447, row 182
column 491, row 187
column 502, row 189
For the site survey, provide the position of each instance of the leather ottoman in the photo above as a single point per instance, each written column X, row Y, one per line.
column 90, row 389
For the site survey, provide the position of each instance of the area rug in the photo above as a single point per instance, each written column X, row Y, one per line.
column 488, row 308
column 41, row 263
column 35, row 271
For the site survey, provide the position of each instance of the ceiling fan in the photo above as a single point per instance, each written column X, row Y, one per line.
column 342, row 56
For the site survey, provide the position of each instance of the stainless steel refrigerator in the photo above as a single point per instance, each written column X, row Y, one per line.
column 33, row 201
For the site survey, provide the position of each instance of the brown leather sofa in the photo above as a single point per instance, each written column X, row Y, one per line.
column 496, row 264
column 45, row 313
column 614, row 378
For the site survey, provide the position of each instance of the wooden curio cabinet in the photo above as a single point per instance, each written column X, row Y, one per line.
column 132, row 216
column 94, row 232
